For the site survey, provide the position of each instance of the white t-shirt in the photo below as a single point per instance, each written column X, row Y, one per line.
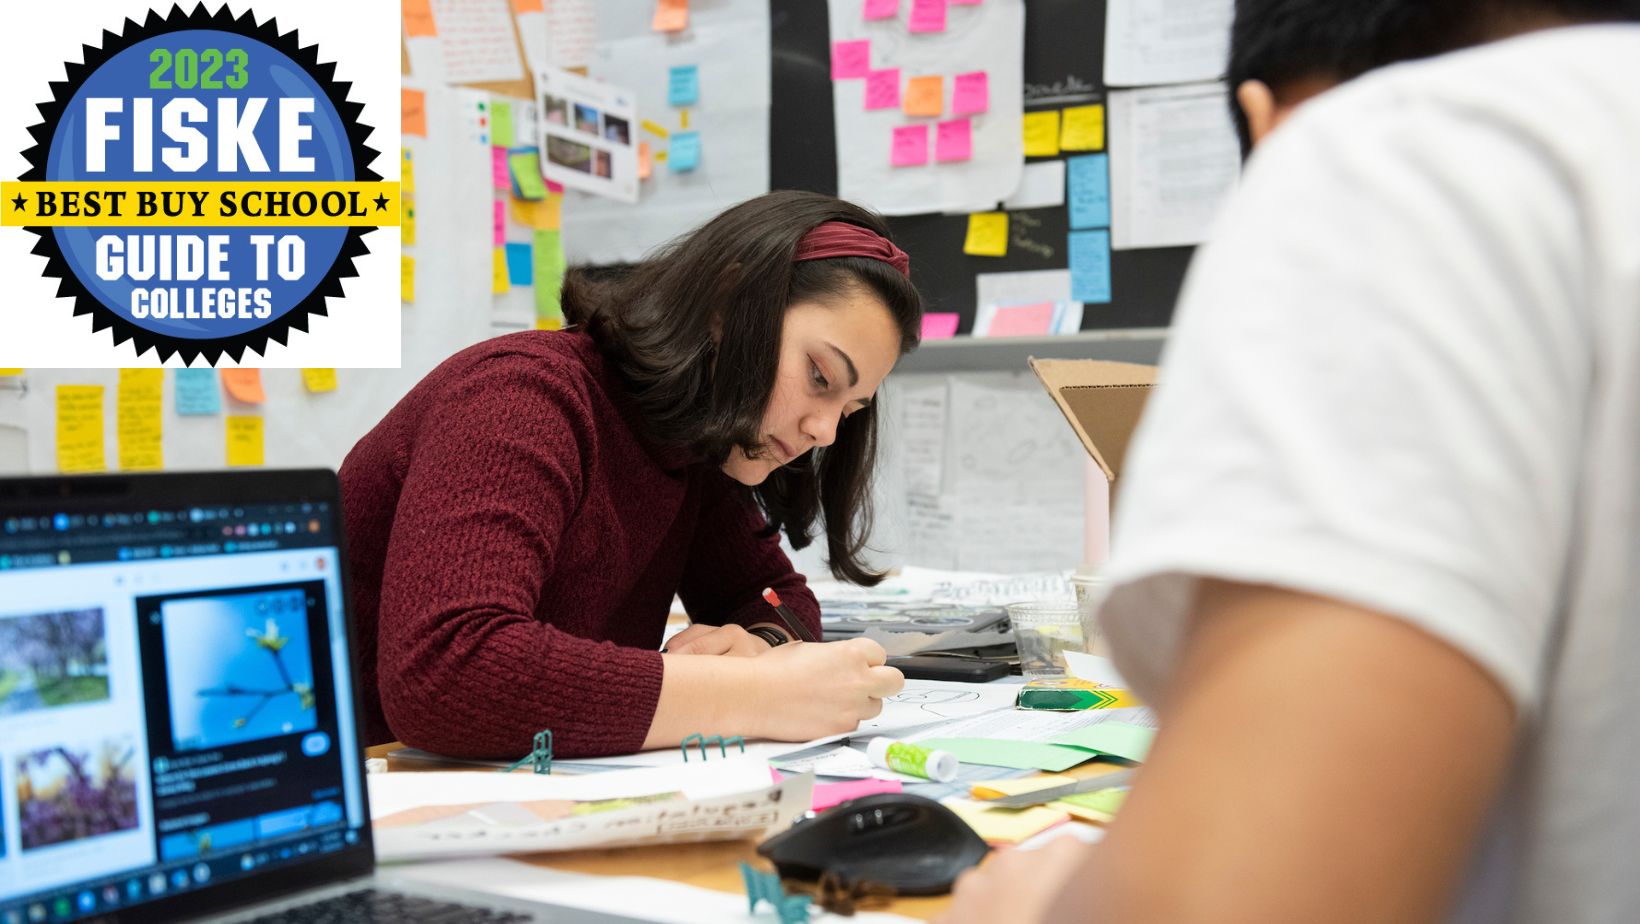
column 1405, row 374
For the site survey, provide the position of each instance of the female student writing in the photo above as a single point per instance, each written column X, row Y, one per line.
column 520, row 522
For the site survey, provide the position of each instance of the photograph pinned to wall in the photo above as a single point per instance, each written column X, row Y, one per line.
column 586, row 134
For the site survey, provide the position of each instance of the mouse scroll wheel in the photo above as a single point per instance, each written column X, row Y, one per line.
column 861, row 822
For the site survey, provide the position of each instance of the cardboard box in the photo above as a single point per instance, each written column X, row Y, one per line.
column 1102, row 401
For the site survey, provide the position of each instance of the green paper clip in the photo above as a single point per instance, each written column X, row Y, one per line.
column 720, row 741
column 765, row 887
column 539, row 758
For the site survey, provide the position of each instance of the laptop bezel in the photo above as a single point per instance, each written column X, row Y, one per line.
column 49, row 495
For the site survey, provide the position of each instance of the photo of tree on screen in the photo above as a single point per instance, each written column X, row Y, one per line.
column 238, row 666
column 52, row 659
column 69, row 793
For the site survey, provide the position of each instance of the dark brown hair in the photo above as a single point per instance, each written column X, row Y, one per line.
column 734, row 275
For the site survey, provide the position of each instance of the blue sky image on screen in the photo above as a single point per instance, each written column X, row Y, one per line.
column 239, row 668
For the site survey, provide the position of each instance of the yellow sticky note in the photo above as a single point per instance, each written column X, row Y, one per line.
column 137, row 408
column 542, row 214
column 245, row 441
column 11, row 372
column 925, row 96
column 1002, row 825
column 407, row 225
column 80, row 428
column 407, row 279
column 987, row 235
column 499, row 285
column 407, row 173
column 1083, row 129
column 995, row 789
column 1042, row 134
column 244, row 385
column 319, row 380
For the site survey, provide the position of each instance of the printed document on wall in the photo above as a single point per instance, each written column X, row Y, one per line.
column 1177, row 41
column 474, row 43
column 702, row 98
column 927, row 101
column 1174, row 159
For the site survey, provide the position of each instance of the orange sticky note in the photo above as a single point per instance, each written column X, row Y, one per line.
column 670, row 16
column 413, row 111
column 528, row 6
column 244, row 385
column 925, row 96
column 542, row 214
column 645, row 165
column 418, row 18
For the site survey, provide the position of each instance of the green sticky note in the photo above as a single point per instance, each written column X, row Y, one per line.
column 1105, row 800
column 1019, row 755
column 1118, row 739
column 501, row 127
column 549, row 279
column 525, row 165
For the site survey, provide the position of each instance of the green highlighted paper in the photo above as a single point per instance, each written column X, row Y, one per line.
column 1116, row 739
column 1019, row 755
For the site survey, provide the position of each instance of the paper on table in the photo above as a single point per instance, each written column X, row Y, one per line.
column 925, row 701
column 827, row 795
column 1017, row 786
column 1041, row 186
column 1020, row 755
column 1180, row 41
column 1094, row 669
column 1041, row 727
column 1118, row 739
column 997, row 825
column 398, row 792
column 1174, row 159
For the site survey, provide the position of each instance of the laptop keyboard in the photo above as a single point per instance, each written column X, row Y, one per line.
column 370, row 905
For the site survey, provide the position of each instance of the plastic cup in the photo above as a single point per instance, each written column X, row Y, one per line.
column 1090, row 589
column 1044, row 631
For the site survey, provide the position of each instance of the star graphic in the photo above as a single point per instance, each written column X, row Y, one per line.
column 381, row 203
column 18, row 202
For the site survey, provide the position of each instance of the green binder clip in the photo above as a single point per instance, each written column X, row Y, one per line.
column 720, row 741
column 539, row 758
column 765, row 887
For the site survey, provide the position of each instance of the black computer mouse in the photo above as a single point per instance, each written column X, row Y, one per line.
column 912, row 844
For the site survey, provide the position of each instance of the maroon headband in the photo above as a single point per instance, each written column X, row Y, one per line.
column 841, row 239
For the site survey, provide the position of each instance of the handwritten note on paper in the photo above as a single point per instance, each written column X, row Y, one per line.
column 138, row 404
column 407, row 172
column 245, row 442
column 1090, row 266
column 670, row 16
column 319, row 381
column 683, row 85
column 80, row 428
column 685, row 152
column 520, row 265
column 572, row 32
column 198, row 393
column 940, row 325
column 883, row 88
column 1084, row 128
column 1042, row 134
column 927, row 16
column 413, row 111
column 1023, row 320
column 525, row 167
column 1089, row 185
column 500, row 284
column 244, row 385
column 925, row 96
column 972, row 93
column 499, row 225
column 910, row 145
column 477, row 40
column 407, row 280
column 882, row 9
column 850, row 59
column 954, row 141
column 549, row 279
column 418, row 19
column 987, row 235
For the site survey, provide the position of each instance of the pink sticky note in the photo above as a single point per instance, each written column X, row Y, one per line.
column 827, row 795
column 850, row 59
column 955, row 141
column 910, row 145
column 940, row 325
column 965, row 2
column 554, row 187
column 927, row 16
column 500, row 223
column 1023, row 321
column 972, row 93
column 883, row 88
column 882, row 9
column 498, row 168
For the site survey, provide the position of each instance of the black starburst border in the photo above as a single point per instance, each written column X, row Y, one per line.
column 177, row 20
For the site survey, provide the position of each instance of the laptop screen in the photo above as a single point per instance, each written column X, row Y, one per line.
column 176, row 704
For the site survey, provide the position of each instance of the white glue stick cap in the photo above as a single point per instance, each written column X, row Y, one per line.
column 939, row 766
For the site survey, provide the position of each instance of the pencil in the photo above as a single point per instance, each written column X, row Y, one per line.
column 793, row 624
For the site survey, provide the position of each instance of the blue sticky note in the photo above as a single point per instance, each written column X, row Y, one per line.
column 1090, row 266
column 683, row 86
column 520, row 265
column 198, row 392
column 684, row 153
column 1088, row 190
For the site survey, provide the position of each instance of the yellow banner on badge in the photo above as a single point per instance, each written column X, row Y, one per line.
column 207, row 204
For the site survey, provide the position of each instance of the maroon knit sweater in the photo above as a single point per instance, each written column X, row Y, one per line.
column 515, row 549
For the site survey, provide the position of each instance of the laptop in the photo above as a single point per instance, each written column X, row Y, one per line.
column 179, row 718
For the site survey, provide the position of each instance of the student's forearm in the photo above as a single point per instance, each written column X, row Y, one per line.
column 704, row 695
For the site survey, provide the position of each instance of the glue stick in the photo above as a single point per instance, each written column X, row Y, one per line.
column 939, row 766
